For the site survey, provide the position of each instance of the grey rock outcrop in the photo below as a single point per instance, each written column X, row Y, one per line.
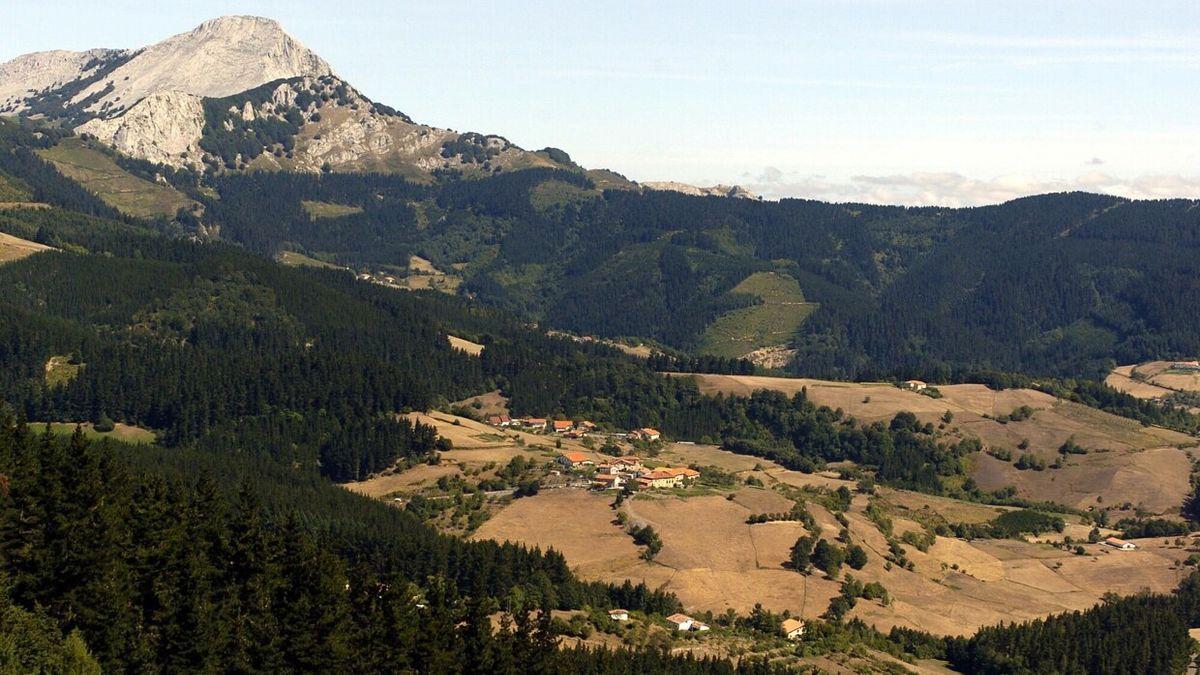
column 164, row 127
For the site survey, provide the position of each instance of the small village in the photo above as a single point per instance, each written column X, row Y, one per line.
column 626, row 473
column 622, row 473
column 789, row 628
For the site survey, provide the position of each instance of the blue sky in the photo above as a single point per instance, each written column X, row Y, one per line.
column 883, row 101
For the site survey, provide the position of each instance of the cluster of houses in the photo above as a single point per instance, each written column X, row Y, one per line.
column 623, row 471
column 1186, row 365
column 644, row 434
column 677, row 621
column 565, row 428
column 792, row 629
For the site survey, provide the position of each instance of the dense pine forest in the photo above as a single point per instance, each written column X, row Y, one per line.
column 166, row 571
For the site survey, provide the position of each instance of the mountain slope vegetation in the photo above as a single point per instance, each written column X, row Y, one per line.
column 1058, row 285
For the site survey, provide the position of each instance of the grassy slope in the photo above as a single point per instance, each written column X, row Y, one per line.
column 423, row 275
column 117, row 187
column 13, row 248
column 553, row 193
column 771, row 323
column 328, row 210
column 60, row 370
column 122, row 432
column 13, row 190
column 1126, row 463
column 300, row 260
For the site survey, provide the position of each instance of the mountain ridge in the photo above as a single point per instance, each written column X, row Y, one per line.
column 157, row 103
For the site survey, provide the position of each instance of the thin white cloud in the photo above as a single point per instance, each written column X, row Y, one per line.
column 955, row 189
column 1178, row 49
column 712, row 77
column 1184, row 41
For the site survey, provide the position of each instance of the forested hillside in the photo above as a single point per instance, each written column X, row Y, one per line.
column 1053, row 285
column 259, row 379
column 170, row 571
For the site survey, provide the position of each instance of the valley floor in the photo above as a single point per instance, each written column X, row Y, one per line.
column 713, row 560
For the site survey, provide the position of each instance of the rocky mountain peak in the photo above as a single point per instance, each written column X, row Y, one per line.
column 219, row 57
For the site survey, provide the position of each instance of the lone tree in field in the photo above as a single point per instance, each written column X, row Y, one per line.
column 828, row 558
column 801, row 555
column 1191, row 505
column 646, row 536
column 856, row 556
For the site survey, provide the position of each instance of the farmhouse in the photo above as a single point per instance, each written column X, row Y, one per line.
column 562, row 426
column 535, row 423
column 644, row 434
column 628, row 465
column 499, row 420
column 1120, row 544
column 681, row 621
column 685, row 474
column 618, row 614
column 792, row 629
column 667, row 477
column 1185, row 365
column 608, row 481
column 656, row 479
column 915, row 385
column 574, row 460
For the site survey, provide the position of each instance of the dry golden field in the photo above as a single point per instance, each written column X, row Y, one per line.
column 1126, row 462
column 713, row 560
column 472, row 348
column 14, row 248
column 1154, row 380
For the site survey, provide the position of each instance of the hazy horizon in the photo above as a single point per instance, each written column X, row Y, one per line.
column 876, row 101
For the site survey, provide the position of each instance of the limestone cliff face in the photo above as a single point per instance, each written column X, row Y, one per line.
column 27, row 76
column 164, row 127
column 219, row 57
column 715, row 191
column 157, row 104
